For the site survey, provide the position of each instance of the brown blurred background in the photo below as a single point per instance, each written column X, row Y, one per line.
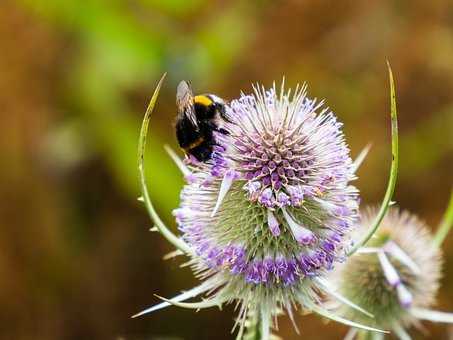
column 76, row 257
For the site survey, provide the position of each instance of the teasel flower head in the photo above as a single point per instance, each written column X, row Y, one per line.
column 271, row 213
column 274, row 206
column 396, row 276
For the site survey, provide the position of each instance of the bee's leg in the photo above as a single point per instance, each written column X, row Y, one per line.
column 206, row 153
column 223, row 131
column 202, row 152
column 218, row 129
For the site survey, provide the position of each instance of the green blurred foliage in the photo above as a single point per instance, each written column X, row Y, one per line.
column 121, row 47
column 75, row 78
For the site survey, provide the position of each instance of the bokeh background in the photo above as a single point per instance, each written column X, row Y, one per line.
column 76, row 257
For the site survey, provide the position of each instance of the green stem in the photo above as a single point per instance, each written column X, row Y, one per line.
column 445, row 225
column 258, row 334
column 393, row 170
column 253, row 326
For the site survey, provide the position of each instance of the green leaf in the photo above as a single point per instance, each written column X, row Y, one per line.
column 386, row 202
column 166, row 232
column 445, row 225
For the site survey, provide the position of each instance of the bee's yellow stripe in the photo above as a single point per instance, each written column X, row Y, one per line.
column 203, row 100
column 194, row 144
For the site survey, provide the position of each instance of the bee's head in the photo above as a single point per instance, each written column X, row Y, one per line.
column 184, row 102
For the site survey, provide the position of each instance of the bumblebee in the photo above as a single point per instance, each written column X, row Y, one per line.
column 198, row 118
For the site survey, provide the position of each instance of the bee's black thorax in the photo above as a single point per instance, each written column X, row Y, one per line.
column 204, row 112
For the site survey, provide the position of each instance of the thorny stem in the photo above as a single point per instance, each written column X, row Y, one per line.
column 386, row 202
column 445, row 225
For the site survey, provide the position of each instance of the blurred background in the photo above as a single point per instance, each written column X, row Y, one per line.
column 76, row 257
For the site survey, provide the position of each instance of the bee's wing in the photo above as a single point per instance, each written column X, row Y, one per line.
column 184, row 102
